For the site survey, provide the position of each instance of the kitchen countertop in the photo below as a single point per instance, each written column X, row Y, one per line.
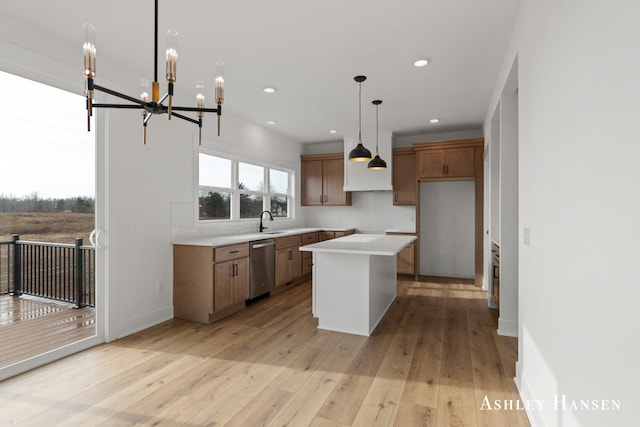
column 200, row 240
column 365, row 244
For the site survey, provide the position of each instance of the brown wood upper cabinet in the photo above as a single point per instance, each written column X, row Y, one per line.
column 404, row 176
column 323, row 180
column 450, row 160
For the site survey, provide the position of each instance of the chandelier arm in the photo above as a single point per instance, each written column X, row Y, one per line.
column 189, row 119
column 195, row 109
column 122, row 106
column 146, row 119
column 166, row 95
column 119, row 95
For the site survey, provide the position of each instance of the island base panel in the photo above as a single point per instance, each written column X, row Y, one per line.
column 352, row 291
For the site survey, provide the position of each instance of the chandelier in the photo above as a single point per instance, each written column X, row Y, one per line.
column 151, row 105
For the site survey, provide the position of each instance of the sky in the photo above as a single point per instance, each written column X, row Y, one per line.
column 44, row 143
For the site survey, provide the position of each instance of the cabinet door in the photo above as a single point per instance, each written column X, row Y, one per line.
column 307, row 263
column 459, row 162
column 333, row 183
column 406, row 259
column 241, row 280
column 431, row 164
column 404, row 179
column 311, row 183
column 295, row 263
column 282, row 266
column 223, row 286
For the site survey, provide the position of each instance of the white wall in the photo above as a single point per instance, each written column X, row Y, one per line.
column 578, row 175
column 150, row 185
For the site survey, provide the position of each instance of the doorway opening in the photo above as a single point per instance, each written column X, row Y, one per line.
column 48, row 268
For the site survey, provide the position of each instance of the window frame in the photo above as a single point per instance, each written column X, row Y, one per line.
column 235, row 191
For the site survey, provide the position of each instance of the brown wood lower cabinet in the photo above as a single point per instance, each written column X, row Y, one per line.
column 407, row 258
column 231, row 283
column 288, row 260
column 307, row 257
column 209, row 283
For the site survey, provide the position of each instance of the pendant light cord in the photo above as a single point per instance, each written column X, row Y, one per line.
column 359, row 112
column 376, row 129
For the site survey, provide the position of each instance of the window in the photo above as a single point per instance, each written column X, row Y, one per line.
column 232, row 189
column 215, row 180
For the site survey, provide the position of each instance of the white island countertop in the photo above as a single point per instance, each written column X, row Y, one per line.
column 364, row 244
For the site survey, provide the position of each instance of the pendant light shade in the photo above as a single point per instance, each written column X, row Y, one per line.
column 360, row 152
column 377, row 163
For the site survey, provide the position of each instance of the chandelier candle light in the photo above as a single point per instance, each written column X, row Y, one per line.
column 154, row 104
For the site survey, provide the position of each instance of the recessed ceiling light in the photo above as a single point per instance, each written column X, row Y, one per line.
column 434, row 120
column 333, row 131
column 421, row 62
column 271, row 122
column 269, row 89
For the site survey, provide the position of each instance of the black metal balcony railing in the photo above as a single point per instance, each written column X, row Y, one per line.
column 58, row 271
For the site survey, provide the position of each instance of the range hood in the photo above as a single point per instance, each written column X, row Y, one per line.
column 356, row 175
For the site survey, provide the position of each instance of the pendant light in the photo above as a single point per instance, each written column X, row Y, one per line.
column 377, row 163
column 360, row 153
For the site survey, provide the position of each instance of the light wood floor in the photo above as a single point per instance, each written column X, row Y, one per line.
column 30, row 326
column 431, row 361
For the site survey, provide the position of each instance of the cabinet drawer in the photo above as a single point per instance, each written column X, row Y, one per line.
column 325, row 235
column 288, row 241
column 309, row 238
column 225, row 253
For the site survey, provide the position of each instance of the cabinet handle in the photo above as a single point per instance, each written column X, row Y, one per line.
column 325, row 198
column 495, row 271
column 234, row 252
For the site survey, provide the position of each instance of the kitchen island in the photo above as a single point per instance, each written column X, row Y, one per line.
column 354, row 280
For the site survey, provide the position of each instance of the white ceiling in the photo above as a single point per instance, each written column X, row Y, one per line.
column 310, row 51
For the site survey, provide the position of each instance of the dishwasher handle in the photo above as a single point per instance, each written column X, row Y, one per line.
column 262, row 245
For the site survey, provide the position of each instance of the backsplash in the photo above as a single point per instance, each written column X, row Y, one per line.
column 371, row 211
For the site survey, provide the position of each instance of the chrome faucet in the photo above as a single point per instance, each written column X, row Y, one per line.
column 261, row 215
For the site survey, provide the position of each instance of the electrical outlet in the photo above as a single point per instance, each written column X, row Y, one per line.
column 526, row 236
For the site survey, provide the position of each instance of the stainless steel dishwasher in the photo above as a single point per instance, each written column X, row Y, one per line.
column 262, row 272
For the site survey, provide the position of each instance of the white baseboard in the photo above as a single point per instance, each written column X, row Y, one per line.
column 534, row 415
column 145, row 321
column 507, row 328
